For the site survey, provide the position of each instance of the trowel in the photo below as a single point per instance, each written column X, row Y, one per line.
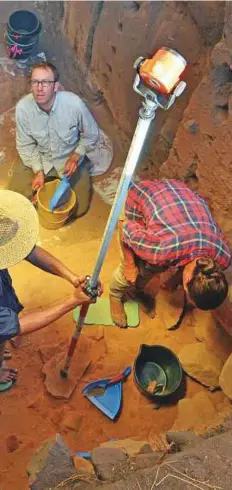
column 61, row 195
column 106, row 394
column 63, row 191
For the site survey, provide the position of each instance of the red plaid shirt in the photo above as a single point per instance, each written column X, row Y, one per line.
column 170, row 225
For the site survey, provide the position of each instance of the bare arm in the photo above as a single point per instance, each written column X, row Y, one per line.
column 48, row 263
column 171, row 278
column 37, row 320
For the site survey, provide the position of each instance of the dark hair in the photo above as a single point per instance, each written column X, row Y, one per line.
column 46, row 65
column 208, row 286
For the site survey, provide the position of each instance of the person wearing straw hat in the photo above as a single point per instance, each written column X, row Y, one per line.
column 57, row 135
column 168, row 234
column 19, row 228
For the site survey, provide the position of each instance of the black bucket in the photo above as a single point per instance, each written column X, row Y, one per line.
column 25, row 46
column 157, row 363
column 23, row 24
column 22, row 33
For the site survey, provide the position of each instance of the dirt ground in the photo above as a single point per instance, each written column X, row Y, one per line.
column 27, row 410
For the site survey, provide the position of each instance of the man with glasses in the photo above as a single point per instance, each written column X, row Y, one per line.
column 57, row 135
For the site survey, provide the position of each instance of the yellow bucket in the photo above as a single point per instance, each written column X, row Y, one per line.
column 53, row 220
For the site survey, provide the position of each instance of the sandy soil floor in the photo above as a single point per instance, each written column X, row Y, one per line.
column 27, row 410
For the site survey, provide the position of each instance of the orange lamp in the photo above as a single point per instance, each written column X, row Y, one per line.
column 162, row 72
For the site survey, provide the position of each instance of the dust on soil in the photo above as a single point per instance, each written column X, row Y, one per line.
column 27, row 410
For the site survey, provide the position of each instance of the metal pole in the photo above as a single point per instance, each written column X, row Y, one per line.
column 134, row 153
column 147, row 114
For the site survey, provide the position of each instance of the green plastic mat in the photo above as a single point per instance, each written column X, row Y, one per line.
column 99, row 313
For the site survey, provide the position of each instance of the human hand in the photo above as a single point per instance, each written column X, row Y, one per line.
column 79, row 297
column 80, row 281
column 97, row 290
column 71, row 165
column 38, row 181
column 76, row 280
column 100, row 288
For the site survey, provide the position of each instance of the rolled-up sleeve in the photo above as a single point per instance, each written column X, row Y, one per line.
column 9, row 324
column 89, row 131
column 26, row 145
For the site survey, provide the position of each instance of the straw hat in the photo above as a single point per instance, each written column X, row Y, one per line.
column 19, row 228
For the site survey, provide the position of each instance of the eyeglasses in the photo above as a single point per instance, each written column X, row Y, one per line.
column 43, row 83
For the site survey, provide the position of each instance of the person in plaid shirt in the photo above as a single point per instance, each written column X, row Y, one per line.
column 169, row 231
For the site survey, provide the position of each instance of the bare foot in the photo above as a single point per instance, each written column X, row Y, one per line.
column 117, row 312
column 8, row 374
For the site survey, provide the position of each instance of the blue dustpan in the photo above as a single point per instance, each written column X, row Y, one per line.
column 62, row 194
column 110, row 401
